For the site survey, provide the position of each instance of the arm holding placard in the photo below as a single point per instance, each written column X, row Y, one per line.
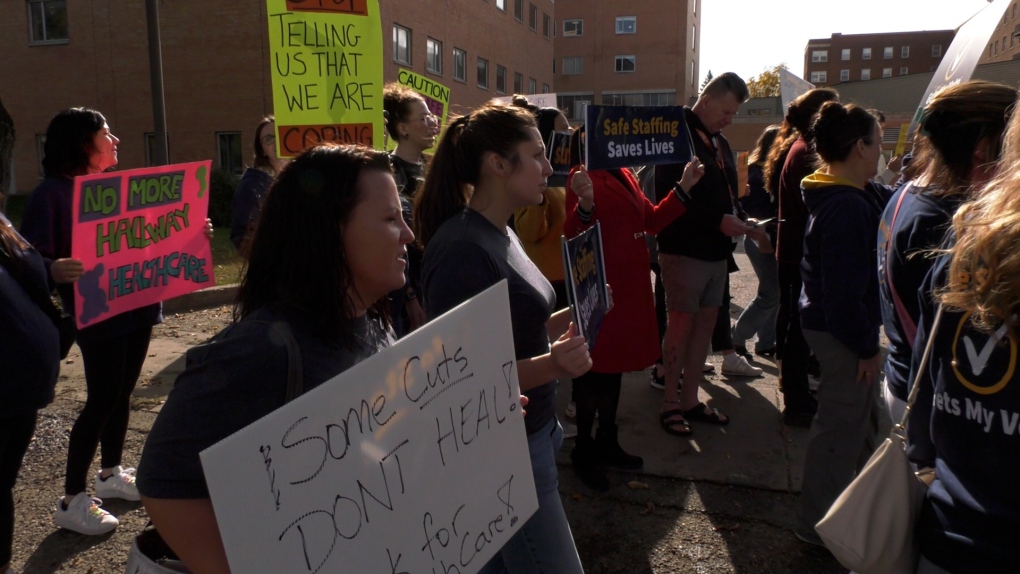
column 568, row 359
column 188, row 525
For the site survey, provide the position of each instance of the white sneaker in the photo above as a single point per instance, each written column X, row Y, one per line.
column 571, row 411
column 84, row 516
column 569, row 430
column 736, row 365
column 120, row 484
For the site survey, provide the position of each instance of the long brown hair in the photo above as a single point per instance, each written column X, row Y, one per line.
column 795, row 125
column 456, row 165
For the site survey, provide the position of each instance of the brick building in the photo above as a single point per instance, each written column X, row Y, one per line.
column 1005, row 41
column 861, row 57
column 621, row 52
column 59, row 53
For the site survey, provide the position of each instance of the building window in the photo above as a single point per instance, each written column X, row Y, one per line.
column 886, row 72
column 905, row 52
column 647, row 99
column 533, row 17
column 819, row 77
column 401, row 45
column 518, row 83
column 844, row 75
column 519, row 10
column 846, row 54
column 694, row 37
column 501, row 4
column 546, row 25
column 500, row 79
column 40, row 153
column 996, row 50
column 434, row 56
column 625, row 63
column 573, row 28
column 904, row 71
column 573, row 66
column 936, row 50
column 228, row 145
column 626, row 25
column 887, row 52
column 866, row 54
column 1014, row 11
column 532, row 86
column 47, row 21
column 483, row 73
column 694, row 74
column 574, row 106
column 459, row 65
column 545, row 88
column 819, row 56
column 866, row 74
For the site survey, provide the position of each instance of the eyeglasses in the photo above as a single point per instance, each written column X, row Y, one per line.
column 428, row 119
column 269, row 139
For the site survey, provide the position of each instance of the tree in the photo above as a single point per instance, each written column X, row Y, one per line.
column 708, row 78
column 6, row 150
column 766, row 84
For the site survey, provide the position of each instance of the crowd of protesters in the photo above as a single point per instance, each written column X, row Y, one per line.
column 838, row 254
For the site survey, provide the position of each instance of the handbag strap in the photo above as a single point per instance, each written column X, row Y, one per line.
column 295, row 375
column 920, row 371
column 908, row 324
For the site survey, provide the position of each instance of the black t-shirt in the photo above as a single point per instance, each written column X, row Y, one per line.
column 467, row 255
column 232, row 381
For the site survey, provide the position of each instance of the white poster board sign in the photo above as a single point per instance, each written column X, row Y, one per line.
column 540, row 100
column 791, row 87
column 415, row 460
column 963, row 54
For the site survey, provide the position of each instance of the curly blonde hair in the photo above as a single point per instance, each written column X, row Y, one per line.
column 984, row 271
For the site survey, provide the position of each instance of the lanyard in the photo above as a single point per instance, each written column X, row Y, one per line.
column 710, row 142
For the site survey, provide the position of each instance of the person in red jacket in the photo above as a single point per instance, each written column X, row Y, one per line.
column 628, row 338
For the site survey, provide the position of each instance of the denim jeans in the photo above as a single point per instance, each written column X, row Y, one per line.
column 544, row 545
column 760, row 315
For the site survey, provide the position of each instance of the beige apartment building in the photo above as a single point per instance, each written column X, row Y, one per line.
column 623, row 52
column 1005, row 41
column 861, row 57
column 216, row 67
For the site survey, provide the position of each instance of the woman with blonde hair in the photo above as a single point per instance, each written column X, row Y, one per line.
column 964, row 421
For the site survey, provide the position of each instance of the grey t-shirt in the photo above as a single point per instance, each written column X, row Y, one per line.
column 467, row 255
column 232, row 381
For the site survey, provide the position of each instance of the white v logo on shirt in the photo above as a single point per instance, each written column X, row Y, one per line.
column 978, row 361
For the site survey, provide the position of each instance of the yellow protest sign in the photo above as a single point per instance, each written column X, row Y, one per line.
column 901, row 141
column 326, row 64
column 436, row 95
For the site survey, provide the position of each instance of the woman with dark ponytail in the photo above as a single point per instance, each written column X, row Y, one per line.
column 489, row 164
column 839, row 307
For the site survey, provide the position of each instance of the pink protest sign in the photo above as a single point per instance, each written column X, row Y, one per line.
column 140, row 234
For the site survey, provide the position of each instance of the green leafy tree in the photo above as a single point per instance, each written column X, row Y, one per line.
column 766, row 84
column 708, row 78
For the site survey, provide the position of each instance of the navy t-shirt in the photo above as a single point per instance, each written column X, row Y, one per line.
column 467, row 255
column 232, row 381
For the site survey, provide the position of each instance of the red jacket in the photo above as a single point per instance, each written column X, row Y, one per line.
column 629, row 338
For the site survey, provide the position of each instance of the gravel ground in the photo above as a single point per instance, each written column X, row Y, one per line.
column 644, row 525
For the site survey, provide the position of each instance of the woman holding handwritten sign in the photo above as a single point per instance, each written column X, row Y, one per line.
column 489, row 164
column 328, row 248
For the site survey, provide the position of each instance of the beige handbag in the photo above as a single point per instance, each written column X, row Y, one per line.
column 870, row 527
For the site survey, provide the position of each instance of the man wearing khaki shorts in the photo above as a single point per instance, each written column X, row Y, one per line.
column 693, row 251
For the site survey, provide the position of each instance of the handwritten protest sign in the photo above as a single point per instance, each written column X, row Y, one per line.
column 547, row 100
column 961, row 58
column 585, row 271
column 624, row 136
column 437, row 96
column 326, row 64
column 791, row 87
column 415, row 460
column 140, row 234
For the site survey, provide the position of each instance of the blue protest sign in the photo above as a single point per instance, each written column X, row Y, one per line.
column 626, row 136
column 557, row 149
column 585, row 270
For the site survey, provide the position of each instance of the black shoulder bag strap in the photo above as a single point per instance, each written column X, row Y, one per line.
column 295, row 374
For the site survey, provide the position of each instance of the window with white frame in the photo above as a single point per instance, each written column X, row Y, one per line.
column 844, row 75
column 626, row 24
column 533, row 17
column 887, row 53
column 904, row 71
column 866, row 54
column 545, row 88
column 47, row 21
column 905, row 51
column 519, row 10
column 483, row 73
column 500, row 79
column 694, row 37
column 573, row 66
column 886, row 72
column 845, row 55
column 574, row 106
column 573, row 28
column 401, row 45
column 518, row 83
column 459, row 65
column 546, row 25
column 434, row 56
column 819, row 56
column 501, row 4
column 532, row 86
column 625, row 64
column 819, row 77
column 936, row 50
column 866, row 74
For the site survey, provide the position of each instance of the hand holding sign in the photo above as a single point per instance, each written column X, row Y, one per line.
column 66, row 270
column 569, row 355
column 583, row 188
column 692, row 175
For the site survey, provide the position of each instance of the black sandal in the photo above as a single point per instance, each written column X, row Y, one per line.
column 698, row 414
column 673, row 418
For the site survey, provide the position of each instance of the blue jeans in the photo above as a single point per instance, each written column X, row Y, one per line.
column 544, row 545
column 760, row 316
